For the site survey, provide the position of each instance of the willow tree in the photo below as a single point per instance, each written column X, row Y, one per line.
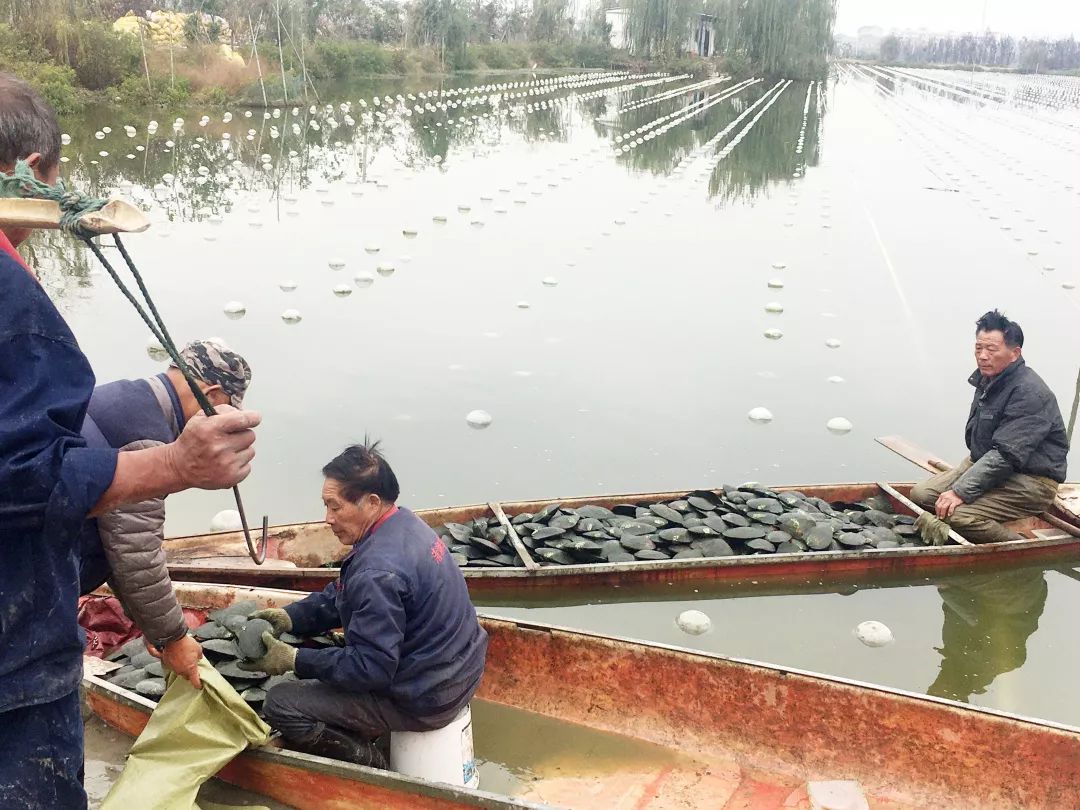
column 658, row 28
column 787, row 38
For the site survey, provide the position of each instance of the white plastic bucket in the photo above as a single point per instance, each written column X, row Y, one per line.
column 443, row 755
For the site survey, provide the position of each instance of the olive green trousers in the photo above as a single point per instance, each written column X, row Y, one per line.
column 980, row 521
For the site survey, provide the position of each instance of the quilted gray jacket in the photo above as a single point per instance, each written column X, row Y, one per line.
column 131, row 537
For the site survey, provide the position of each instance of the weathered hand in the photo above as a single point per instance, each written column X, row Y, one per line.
column 946, row 504
column 215, row 452
column 182, row 656
column 279, row 659
column 279, row 619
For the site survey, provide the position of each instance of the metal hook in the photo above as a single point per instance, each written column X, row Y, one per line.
column 258, row 557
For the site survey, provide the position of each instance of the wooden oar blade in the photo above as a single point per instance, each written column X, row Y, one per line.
column 117, row 216
column 913, row 453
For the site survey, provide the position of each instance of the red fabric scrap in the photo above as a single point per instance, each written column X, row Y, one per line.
column 107, row 626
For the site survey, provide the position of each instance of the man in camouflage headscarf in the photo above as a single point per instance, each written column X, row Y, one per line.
column 212, row 363
column 124, row 547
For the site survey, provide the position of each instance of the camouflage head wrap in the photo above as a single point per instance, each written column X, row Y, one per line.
column 213, row 364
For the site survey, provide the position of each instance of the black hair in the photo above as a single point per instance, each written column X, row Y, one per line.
column 361, row 469
column 27, row 124
column 994, row 321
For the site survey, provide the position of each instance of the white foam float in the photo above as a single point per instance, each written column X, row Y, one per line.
column 385, row 269
column 342, row 290
column 156, row 351
column 291, row 316
column 287, row 286
column 363, row 280
column 478, row 419
column 839, row 425
column 227, row 520
column 409, row 232
column 235, row 309
column 773, row 334
column 835, row 380
column 760, row 415
column 336, row 263
column 779, row 266
column 873, row 634
column 523, row 305
column 774, row 307
column 371, row 248
column 550, row 281
column 832, row 343
column 693, row 622
column 775, row 284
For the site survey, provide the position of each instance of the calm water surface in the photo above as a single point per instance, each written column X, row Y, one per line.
column 893, row 209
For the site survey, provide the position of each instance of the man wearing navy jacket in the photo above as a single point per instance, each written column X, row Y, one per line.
column 414, row 650
column 124, row 547
column 51, row 482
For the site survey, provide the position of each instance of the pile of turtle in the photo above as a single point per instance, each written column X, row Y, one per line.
column 227, row 638
column 749, row 519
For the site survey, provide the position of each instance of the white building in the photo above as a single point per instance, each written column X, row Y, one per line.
column 700, row 39
column 619, row 20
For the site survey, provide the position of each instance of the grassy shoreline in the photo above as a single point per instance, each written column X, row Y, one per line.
column 208, row 76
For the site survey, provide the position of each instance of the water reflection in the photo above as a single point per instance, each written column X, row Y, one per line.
column 197, row 167
column 988, row 619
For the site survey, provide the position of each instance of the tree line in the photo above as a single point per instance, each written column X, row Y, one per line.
column 784, row 38
column 988, row 50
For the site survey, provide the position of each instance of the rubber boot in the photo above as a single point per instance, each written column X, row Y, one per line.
column 336, row 744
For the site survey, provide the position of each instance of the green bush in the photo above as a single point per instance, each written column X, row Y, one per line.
column 462, row 59
column 502, row 55
column 341, row 59
column 100, row 57
column 134, row 92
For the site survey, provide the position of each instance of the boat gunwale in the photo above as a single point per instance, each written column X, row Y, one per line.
column 626, row 641
column 753, row 561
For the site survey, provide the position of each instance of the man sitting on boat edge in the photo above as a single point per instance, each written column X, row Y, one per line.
column 125, row 546
column 1017, row 443
column 414, row 650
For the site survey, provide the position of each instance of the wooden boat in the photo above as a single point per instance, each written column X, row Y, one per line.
column 298, row 554
column 718, row 732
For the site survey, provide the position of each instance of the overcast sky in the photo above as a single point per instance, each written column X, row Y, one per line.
column 1020, row 17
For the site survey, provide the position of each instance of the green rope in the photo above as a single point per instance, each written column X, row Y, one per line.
column 22, row 183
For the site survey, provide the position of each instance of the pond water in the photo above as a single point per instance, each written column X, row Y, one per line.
column 619, row 269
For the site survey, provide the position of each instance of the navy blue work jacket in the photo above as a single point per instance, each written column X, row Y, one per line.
column 49, row 482
column 411, row 632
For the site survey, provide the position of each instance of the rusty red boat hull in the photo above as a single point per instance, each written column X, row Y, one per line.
column 298, row 553
column 760, row 732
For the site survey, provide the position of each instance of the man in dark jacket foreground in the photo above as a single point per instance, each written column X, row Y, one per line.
column 414, row 651
column 51, row 482
column 1016, row 438
column 125, row 545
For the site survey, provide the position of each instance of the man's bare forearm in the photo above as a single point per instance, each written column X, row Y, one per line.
column 211, row 453
column 141, row 474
